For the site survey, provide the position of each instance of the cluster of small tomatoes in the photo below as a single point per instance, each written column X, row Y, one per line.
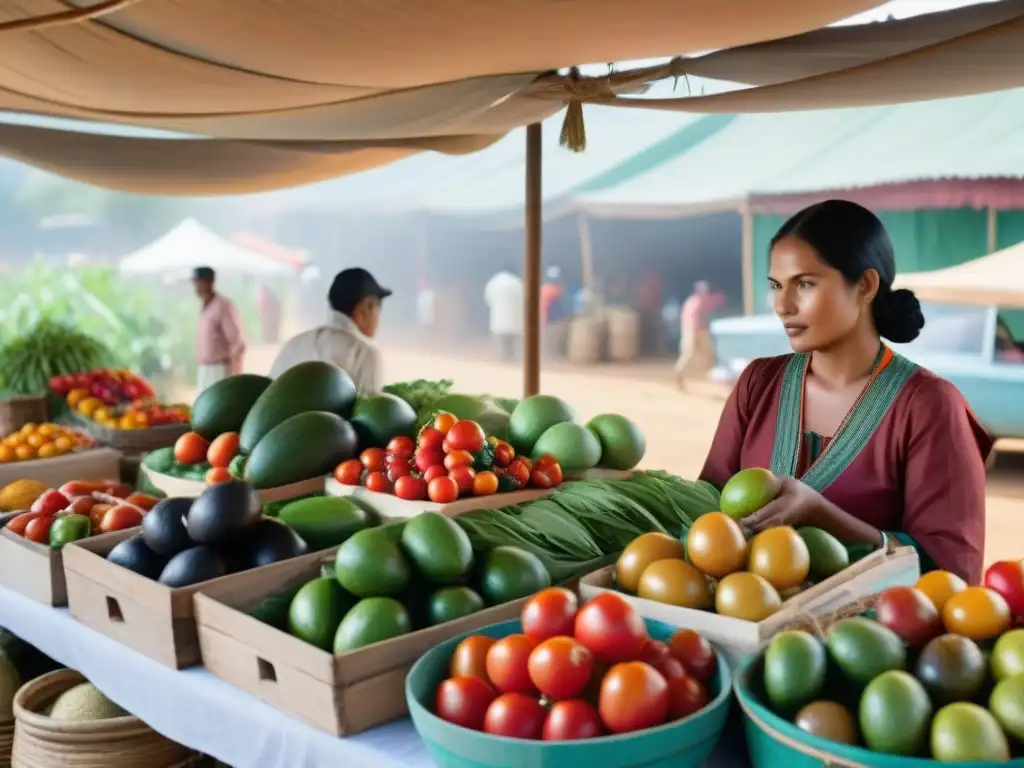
column 575, row 673
column 449, row 459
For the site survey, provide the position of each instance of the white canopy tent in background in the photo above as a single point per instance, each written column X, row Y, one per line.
column 189, row 245
column 996, row 279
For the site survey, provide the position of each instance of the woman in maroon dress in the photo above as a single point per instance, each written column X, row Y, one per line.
column 868, row 444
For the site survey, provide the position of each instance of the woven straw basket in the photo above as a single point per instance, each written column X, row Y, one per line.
column 6, row 743
column 120, row 742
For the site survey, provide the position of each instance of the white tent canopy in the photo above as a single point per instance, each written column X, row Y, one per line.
column 996, row 279
column 190, row 245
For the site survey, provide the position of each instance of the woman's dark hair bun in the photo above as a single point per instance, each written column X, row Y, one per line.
column 898, row 315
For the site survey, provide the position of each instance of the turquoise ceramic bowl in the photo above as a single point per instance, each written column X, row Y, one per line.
column 685, row 743
column 774, row 742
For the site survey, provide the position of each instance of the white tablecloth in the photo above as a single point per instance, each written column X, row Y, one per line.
column 196, row 709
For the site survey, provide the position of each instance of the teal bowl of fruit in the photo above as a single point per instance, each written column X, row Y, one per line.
column 680, row 743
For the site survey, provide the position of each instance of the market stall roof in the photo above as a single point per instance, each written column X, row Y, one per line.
column 996, row 279
column 296, row 259
column 190, row 245
column 320, row 88
column 759, row 155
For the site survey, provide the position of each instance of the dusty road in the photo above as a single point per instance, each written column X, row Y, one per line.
column 679, row 428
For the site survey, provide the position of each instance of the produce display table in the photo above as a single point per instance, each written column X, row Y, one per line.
column 197, row 710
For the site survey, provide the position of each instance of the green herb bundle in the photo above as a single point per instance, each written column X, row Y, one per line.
column 49, row 348
column 420, row 394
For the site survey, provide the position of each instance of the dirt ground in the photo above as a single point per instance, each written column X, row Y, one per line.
column 679, row 427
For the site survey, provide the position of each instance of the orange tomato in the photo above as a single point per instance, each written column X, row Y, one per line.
column 977, row 613
column 6, row 453
column 223, row 449
column 444, row 421
column 18, row 524
column 190, row 448
column 939, row 586
column 633, row 696
column 142, row 501
column 458, row 459
column 373, row 459
column 217, row 475
column 25, row 452
column 485, row 483
column 349, row 472
column 120, row 518
column 716, row 545
column 36, row 439
column 470, row 657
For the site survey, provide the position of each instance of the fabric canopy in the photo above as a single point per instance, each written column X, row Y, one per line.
column 996, row 279
column 190, row 245
column 349, row 75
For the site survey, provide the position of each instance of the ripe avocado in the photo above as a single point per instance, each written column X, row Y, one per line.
column 533, row 416
column 326, row 521
column 828, row 555
column 895, row 713
column 163, row 527
column 134, row 555
column 863, row 649
column 509, row 573
column 371, row 564
column 222, row 512
column 317, row 610
column 453, row 603
column 437, row 546
column 795, row 670
column 371, row 621
column 951, row 668
column 268, row 541
column 192, row 567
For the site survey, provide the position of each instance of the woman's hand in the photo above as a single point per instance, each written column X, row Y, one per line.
column 797, row 504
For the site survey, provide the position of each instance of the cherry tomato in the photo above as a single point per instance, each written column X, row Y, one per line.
column 470, row 657
column 634, row 696
column 611, row 628
column 464, row 701
column 120, row 518
column 464, row 477
column 549, row 613
column 458, row 459
column 546, row 460
column 1007, row 578
column 939, row 586
column 485, row 483
column 411, row 488
column 686, row 696
column 466, row 436
column 516, row 716
column 560, row 667
column 373, row 459
column 910, row 614
column 572, row 720
column 437, row 470
column 977, row 613
column 654, row 653
column 518, row 471
column 431, row 439
column 378, row 482
column 442, row 490
column 50, row 503
column 444, row 421
column 695, row 653
column 17, row 525
column 547, row 476
column 508, row 664
column 38, row 530
column 398, row 469
column 401, row 446
column 670, row 668
column 425, row 459
column 503, row 454
column 349, row 472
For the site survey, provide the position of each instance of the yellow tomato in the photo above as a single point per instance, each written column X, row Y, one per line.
column 47, row 451
column 25, row 452
column 977, row 613
column 101, row 414
column 75, row 396
column 29, row 428
column 14, row 440
column 63, row 444
column 6, row 454
column 35, row 439
column 48, row 430
column 89, row 406
column 126, row 422
column 939, row 586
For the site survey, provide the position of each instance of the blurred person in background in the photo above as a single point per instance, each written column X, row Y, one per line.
column 648, row 304
column 270, row 315
column 425, row 307
column 697, row 353
column 220, row 343
column 671, row 312
column 503, row 296
column 553, row 312
column 355, row 300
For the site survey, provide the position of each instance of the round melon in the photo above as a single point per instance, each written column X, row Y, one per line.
column 575, row 448
column 622, row 443
column 462, row 407
column 533, row 417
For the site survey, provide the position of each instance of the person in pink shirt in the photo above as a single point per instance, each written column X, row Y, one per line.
column 697, row 353
column 220, row 345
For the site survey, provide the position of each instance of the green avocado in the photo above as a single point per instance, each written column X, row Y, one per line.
column 326, row 521
column 895, row 713
column 317, row 610
column 509, row 573
column 795, row 670
column 863, row 649
column 453, row 603
column 371, row 621
column 437, row 546
column 828, row 555
column 371, row 564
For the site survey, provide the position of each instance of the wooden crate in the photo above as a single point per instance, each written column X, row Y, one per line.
column 134, row 441
column 736, row 638
column 342, row 695
column 33, row 570
column 179, row 486
column 92, row 464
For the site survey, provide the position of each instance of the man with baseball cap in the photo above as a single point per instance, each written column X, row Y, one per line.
column 220, row 345
column 347, row 340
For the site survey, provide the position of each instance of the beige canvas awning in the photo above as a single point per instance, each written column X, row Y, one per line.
column 996, row 279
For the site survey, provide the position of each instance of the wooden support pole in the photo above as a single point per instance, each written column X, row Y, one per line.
column 532, row 263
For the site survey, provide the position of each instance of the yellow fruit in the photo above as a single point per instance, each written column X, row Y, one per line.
column 101, row 415
column 75, row 396
column 25, row 452
column 47, row 451
column 641, row 552
column 939, row 586
column 715, row 544
column 48, row 430
column 781, row 557
column 675, row 582
column 140, row 420
column 6, row 454
column 21, row 493
column 977, row 613
column 15, row 440
column 63, row 444
column 746, row 596
column 28, row 429
column 35, row 439
column 126, row 422
column 89, row 406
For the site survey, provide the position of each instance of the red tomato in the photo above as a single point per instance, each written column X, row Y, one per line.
column 654, row 653
column 444, row 421
column 508, row 664
column 670, row 668
column 547, row 460
column 611, row 628
column 547, row 476
column 411, row 488
column 695, row 653
column 463, row 477
column 397, row 469
column 1007, row 578
column 373, row 459
column 442, row 490
column 910, row 614
column 560, row 667
column 466, row 436
column 470, row 657
column 349, row 472
column 222, row 450
column 38, row 530
column 437, row 470
column 549, row 613
column 60, row 385
column 634, row 696
column 458, row 459
column 516, row 716
column 18, row 524
column 518, row 471
column 120, row 518
column 425, row 459
column 685, row 696
column 503, row 454
column 431, row 439
column 50, row 503
column 378, row 481
column 572, row 720
column 464, row 701
column 401, row 446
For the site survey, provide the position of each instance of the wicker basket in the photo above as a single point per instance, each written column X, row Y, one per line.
column 16, row 412
column 6, row 743
column 121, row 742
column 135, row 441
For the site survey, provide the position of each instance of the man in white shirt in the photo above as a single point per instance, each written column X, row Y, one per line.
column 355, row 299
column 503, row 296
